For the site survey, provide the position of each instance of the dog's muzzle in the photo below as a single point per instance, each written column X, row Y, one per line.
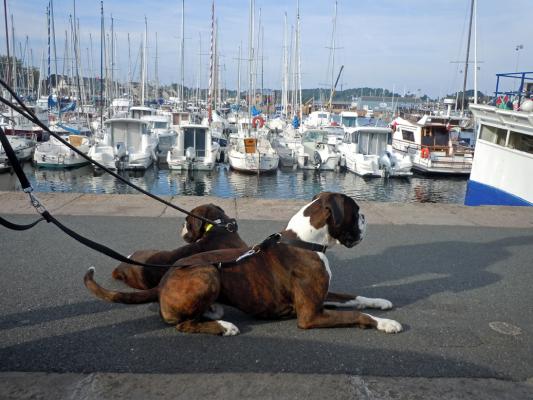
column 356, row 234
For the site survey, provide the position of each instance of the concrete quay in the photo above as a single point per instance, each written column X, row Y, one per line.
column 80, row 204
column 460, row 279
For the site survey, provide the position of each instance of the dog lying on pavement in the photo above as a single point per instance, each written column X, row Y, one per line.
column 288, row 278
column 199, row 235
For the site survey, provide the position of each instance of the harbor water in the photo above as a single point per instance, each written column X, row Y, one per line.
column 226, row 183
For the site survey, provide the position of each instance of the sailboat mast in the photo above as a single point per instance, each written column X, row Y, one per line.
column 14, row 72
column 250, row 63
column 156, row 70
column 182, row 57
column 238, row 97
column 333, row 52
column 102, row 33
column 299, row 76
column 285, row 75
column 211, row 67
column 475, row 51
column 467, row 57
column 143, row 75
column 112, row 57
column 8, row 76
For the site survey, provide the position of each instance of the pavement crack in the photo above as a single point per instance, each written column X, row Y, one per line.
column 68, row 202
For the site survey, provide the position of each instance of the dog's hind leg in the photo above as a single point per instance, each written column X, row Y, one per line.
column 351, row 301
column 222, row 328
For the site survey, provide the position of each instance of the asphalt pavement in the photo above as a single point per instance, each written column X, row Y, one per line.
column 462, row 293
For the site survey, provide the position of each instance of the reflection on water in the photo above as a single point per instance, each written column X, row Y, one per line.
column 223, row 182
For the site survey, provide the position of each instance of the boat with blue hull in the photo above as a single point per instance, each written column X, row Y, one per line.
column 503, row 160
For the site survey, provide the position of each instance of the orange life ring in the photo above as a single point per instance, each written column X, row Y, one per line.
column 257, row 120
column 424, row 153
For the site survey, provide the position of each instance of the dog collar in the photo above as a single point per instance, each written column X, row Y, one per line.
column 321, row 248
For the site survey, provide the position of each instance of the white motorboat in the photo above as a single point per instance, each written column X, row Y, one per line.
column 54, row 154
column 194, row 149
column 432, row 142
column 166, row 136
column 127, row 144
column 503, row 161
column 367, row 151
column 249, row 149
column 23, row 148
column 317, row 119
column 316, row 151
column 120, row 107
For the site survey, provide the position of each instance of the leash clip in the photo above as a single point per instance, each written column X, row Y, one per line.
column 231, row 227
column 35, row 201
column 249, row 253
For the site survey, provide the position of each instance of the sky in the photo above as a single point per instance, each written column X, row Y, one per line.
column 409, row 46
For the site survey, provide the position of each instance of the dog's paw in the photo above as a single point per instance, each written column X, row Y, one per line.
column 365, row 302
column 388, row 325
column 228, row 328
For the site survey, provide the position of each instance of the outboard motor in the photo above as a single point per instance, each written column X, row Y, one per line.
column 121, row 156
column 190, row 154
column 386, row 163
column 317, row 159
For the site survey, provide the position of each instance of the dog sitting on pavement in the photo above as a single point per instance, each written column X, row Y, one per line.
column 288, row 277
column 199, row 235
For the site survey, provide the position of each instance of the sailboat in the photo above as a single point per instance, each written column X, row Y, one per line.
column 250, row 151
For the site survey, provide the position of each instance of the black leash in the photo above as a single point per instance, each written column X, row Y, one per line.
column 28, row 114
column 226, row 257
column 46, row 216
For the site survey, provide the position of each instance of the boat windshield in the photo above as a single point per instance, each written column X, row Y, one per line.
column 366, row 121
column 160, row 125
column 349, row 122
column 314, row 136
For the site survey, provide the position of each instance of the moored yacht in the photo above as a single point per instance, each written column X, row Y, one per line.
column 127, row 143
column 432, row 143
column 249, row 149
column 54, row 154
column 316, row 151
column 194, row 149
column 503, row 161
column 366, row 150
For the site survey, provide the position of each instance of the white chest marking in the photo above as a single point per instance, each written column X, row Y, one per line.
column 326, row 263
column 184, row 230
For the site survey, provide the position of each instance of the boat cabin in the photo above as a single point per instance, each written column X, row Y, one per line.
column 126, row 132
column 196, row 137
column 369, row 141
column 138, row 112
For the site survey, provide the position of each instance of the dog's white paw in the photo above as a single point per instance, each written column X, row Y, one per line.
column 365, row 302
column 388, row 325
column 216, row 311
column 229, row 328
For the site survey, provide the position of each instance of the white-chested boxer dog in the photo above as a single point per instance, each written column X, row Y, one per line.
column 288, row 277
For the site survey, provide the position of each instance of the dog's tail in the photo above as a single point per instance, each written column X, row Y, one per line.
column 139, row 297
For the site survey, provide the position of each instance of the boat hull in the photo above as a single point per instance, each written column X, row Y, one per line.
column 479, row 194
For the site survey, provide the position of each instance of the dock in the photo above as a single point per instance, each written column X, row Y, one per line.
column 459, row 277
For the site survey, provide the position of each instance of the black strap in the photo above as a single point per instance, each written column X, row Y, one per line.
column 94, row 245
column 303, row 244
column 14, row 161
column 17, row 227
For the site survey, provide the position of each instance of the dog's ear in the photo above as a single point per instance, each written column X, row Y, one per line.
column 216, row 211
column 335, row 206
column 196, row 227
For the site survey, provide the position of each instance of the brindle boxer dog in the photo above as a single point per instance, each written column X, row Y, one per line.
column 199, row 235
column 280, row 281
